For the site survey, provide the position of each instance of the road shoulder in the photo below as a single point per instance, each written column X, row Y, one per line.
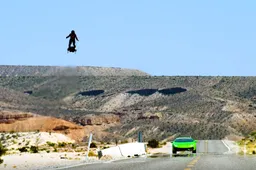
column 232, row 146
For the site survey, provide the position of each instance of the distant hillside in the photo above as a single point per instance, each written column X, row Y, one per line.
column 13, row 70
column 160, row 106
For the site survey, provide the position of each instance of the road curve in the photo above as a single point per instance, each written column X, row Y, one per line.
column 211, row 155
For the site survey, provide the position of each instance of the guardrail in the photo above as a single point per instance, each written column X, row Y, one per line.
column 124, row 150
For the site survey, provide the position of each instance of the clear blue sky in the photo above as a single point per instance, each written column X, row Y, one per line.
column 160, row 37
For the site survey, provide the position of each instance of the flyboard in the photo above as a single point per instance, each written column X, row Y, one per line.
column 72, row 49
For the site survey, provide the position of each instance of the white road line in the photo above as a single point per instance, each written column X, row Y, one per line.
column 88, row 163
column 226, row 146
column 81, row 164
column 132, row 162
column 72, row 166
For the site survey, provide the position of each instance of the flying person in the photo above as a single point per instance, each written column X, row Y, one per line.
column 72, row 39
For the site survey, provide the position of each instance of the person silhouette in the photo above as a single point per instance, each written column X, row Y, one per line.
column 72, row 39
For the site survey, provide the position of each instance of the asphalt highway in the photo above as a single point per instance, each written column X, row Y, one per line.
column 211, row 155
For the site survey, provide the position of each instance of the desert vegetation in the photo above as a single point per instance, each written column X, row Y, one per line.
column 249, row 142
column 2, row 152
column 153, row 143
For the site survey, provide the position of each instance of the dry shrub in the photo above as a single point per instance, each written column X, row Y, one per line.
column 91, row 153
column 106, row 157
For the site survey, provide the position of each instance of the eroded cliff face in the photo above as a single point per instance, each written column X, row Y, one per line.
column 17, row 121
column 13, row 116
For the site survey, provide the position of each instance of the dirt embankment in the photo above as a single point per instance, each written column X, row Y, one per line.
column 14, row 121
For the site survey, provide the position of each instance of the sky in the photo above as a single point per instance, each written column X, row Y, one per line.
column 160, row 37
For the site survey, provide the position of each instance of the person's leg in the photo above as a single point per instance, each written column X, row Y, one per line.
column 74, row 43
column 69, row 44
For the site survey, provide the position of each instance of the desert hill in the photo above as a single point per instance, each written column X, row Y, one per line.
column 23, row 70
column 204, row 107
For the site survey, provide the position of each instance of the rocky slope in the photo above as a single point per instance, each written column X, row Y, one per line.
column 159, row 106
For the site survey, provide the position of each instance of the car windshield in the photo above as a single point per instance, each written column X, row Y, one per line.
column 184, row 140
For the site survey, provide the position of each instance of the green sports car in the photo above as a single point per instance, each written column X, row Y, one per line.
column 184, row 144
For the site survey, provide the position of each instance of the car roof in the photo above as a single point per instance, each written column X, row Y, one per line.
column 184, row 138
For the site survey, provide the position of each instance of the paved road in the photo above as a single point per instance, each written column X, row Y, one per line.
column 211, row 155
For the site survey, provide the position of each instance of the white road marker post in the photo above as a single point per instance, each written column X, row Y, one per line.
column 170, row 145
column 89, row 143
column 245, row 150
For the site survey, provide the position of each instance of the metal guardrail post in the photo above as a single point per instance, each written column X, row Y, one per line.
column 89, row 143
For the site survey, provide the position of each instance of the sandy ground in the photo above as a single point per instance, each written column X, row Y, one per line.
column 165, row 149
column 34, row 138
column 40, row 161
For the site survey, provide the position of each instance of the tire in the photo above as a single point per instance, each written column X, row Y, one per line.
column 174, row 150
column 194, row 151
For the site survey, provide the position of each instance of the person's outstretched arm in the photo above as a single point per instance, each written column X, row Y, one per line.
column 77, row 38
column 68, row 36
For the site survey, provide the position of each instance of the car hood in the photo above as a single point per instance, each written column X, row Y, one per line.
column 183, row 143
